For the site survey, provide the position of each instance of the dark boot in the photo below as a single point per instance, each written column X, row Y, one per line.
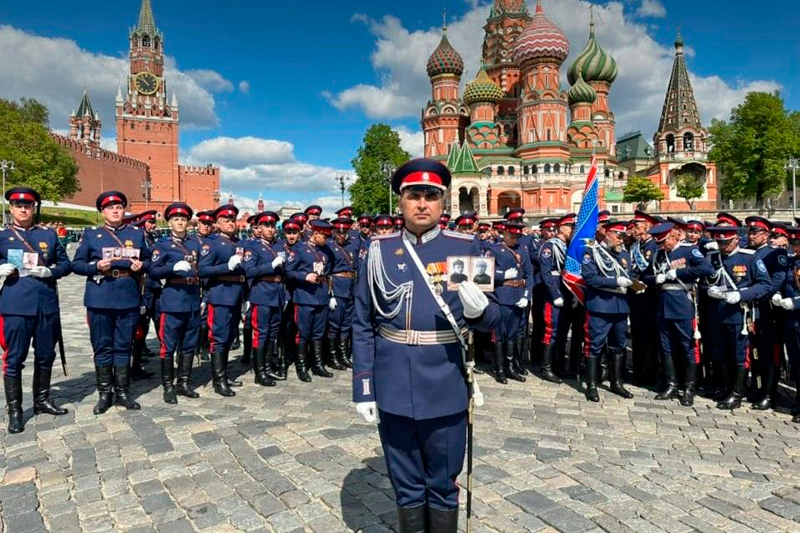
column 236, row 344
column 231, row 382
column 137, row 371
column 765, row 394
column 218, row 377
column 548, row 352
column 442, row 521
column 272, row 363
column 508, row 349
column 605, row 363
column 333, row 356
column 499, row 363
column 168, row 380
column 519, row 357
column 202, row 343
column 592, row 367
column 105, row 380
column 184, row 374
column 734, row 400
column 691, row 383
column 412, row 519
column 318, row 369
column 41, row 394
column 300, row 364
column 341, row 353
column 617, row 369
column 13, row 388
column 671, row 378
column 122, row 383
column 260, row 367
column 247, row 345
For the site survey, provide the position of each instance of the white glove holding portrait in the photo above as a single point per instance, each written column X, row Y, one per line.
column 472, row 299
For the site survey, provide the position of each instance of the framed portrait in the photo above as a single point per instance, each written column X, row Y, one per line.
column 482, row 273
column 461, row 268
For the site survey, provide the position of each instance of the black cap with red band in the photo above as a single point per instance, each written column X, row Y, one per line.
column 178, row 209
column 226, row 211
column 111, row 198
column 422, row 173
column 23, row 194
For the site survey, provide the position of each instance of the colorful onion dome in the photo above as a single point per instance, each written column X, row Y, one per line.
column 445, row 59
column 482, row 89
column 581, row 92
column 593, row 63
column 540, row 39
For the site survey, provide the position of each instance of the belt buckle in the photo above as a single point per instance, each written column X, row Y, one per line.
column 115, row 273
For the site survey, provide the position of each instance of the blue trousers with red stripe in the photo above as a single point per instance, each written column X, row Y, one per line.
column 340, row 320
column 602, row 327
column 111, row 332
column 223, row 324
column 266, row 322
column 178, row 330
column 677, row 339
column 556, row 321
column 310, row 320
column 17, row 332
column 424, row 458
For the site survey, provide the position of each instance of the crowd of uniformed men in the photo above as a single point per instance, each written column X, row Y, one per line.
column 710, row 306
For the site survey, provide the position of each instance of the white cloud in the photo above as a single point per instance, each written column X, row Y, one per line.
column 55, row 71
column 400, row 56
column 651, row 8
column 412, row 142
column 243, row 151
column 244, row 87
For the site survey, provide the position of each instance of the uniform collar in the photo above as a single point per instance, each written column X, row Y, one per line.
column 112, row 228
column 426, row 237
column 176, row 238
column 20, row 228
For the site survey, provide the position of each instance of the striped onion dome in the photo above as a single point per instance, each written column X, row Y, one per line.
column 593, row 63
column 482, row 89
column 540, row 39
column 445, row 59
column 581, row 92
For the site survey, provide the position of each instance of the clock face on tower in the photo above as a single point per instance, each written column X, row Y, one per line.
column 146, row 83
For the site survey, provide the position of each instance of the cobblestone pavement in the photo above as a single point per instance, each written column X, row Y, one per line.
column 297, row 458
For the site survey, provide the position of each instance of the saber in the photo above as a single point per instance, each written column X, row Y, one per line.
column 470, row 427
column 60, row 337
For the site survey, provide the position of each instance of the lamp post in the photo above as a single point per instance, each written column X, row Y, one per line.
column 341, row 177
column 793, row 164
column 388, row 170
column 146, row 186
column 5, row 166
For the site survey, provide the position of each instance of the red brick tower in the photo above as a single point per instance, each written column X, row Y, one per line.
column 84, row 124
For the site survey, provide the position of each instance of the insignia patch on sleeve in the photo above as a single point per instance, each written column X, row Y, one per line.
column 248, row 255
column 761, row 266
column 783, row 260
column 365, row 387
column 206, row 248
column 587, row 259
column 697, row 253
column 546, row 252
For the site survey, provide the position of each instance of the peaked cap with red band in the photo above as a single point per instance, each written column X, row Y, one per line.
column 603, row 216
column 498, row 224
column 567, row 220
column 551, row 223
column 724, row 233
column 345, row 212
column 205, row 216
column 484, row 226
column 421, row 172
column 342, row 223
column 300, row 216
column 759, row 223
column 267, row 217
column 146, row 216
column 23, row 194
column 695, row 225
column 515, row 214
column 384, row 220
column 130, row 219
column 779, row 228
column 679, row 223
column 445, row 216
column 178, row 208
column 726, row 219
column 661, row 231
column 365, row 219
column 230, row 211
column 399, row 221
column 641, row 216
column 291, row 224
column 513, row 227
column 468, row 219
column 313, row 210
column 110, row 198
column 618, row 226
column 321, row 226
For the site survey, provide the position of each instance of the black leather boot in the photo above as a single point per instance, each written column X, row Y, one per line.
column 218, row 377
column 511, row 373
column 184, row 374
column 260, row 367
column 548, row 353
column 122, row 383
column 671, row 390
column 412, row 519
column 13, row 388
column 247, row 344
column 202, row 343
column 105, row 380
column 236, row 344
column 691, row 384
column 333, row 356
column 519, row 356
column 592, row 365
column 168, row 380
column 765, row 393
column 231, row 382
column 734, row 400
column 272, row 363
column 605, row 363
column 318, row 369
column 300, row 364
column 137, row 371
column 499, row 363
column 617, row 361
column 442, row 521
column 41, row 394
column 344, row 347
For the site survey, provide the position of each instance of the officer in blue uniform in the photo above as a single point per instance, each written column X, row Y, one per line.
column 789, row 300
column 29, row 303
column 291, row 236
column 643, row 304
column 263, row 266
column 407, row 356
column 399, row 222
column 547, row 228
column 364, row 230
column 174, row 262
column 673, row 271
column 308, row 266
column 205, row 232
column 146, row 221
column 221, row 264
column 513, row 282
column 766, row 329
column 340, row 316
column 739, row 280
column 113, row 258
column 384, row 225
column 606, row 272
column 311, row 213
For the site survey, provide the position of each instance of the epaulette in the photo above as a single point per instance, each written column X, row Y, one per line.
column 456, row 235
column 748, row 251
column 385, row 237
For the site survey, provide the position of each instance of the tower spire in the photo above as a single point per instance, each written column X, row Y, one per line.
column 147, row 23
column 680, row 107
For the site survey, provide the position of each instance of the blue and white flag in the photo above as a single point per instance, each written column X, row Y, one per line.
column 584, row 232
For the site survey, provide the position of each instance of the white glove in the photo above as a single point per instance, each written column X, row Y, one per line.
column 624, row 282
column 558, row 302
column 776, row 298
column 142, row 310
column 472, row 299
column 234, row 261
column 182, row 266
column 368, row 411
column 787, row 303
column 661, row 278
column 278, row 261
column 716, row 293
column 672, row 274
column 733, row 297
column 7, row 269
column 510, row 273
column 712, row 245
column 332, row 304
column 522, row 303
column 41, row 272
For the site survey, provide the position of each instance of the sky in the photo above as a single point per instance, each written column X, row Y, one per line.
column 280, row 94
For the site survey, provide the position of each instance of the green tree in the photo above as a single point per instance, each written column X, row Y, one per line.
column 752, row 148
column 689, row 187
column 40, row 162
column 641, row 191
column 370, row 191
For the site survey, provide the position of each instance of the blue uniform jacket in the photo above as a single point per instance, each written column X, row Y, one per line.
column 345, row 259
column 258, row 257
column 552, row 255
column 28, row 295
column 417, row 381
column 675, row 301
column 777, row 262
column 602, row 293
column 641, row 255
column 176, row 297
column 107, row 291
column 750, row 276
column 213, row 264
column 506, row 257
column 303, row 259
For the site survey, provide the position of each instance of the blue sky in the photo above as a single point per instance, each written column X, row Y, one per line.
column 317, row 74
